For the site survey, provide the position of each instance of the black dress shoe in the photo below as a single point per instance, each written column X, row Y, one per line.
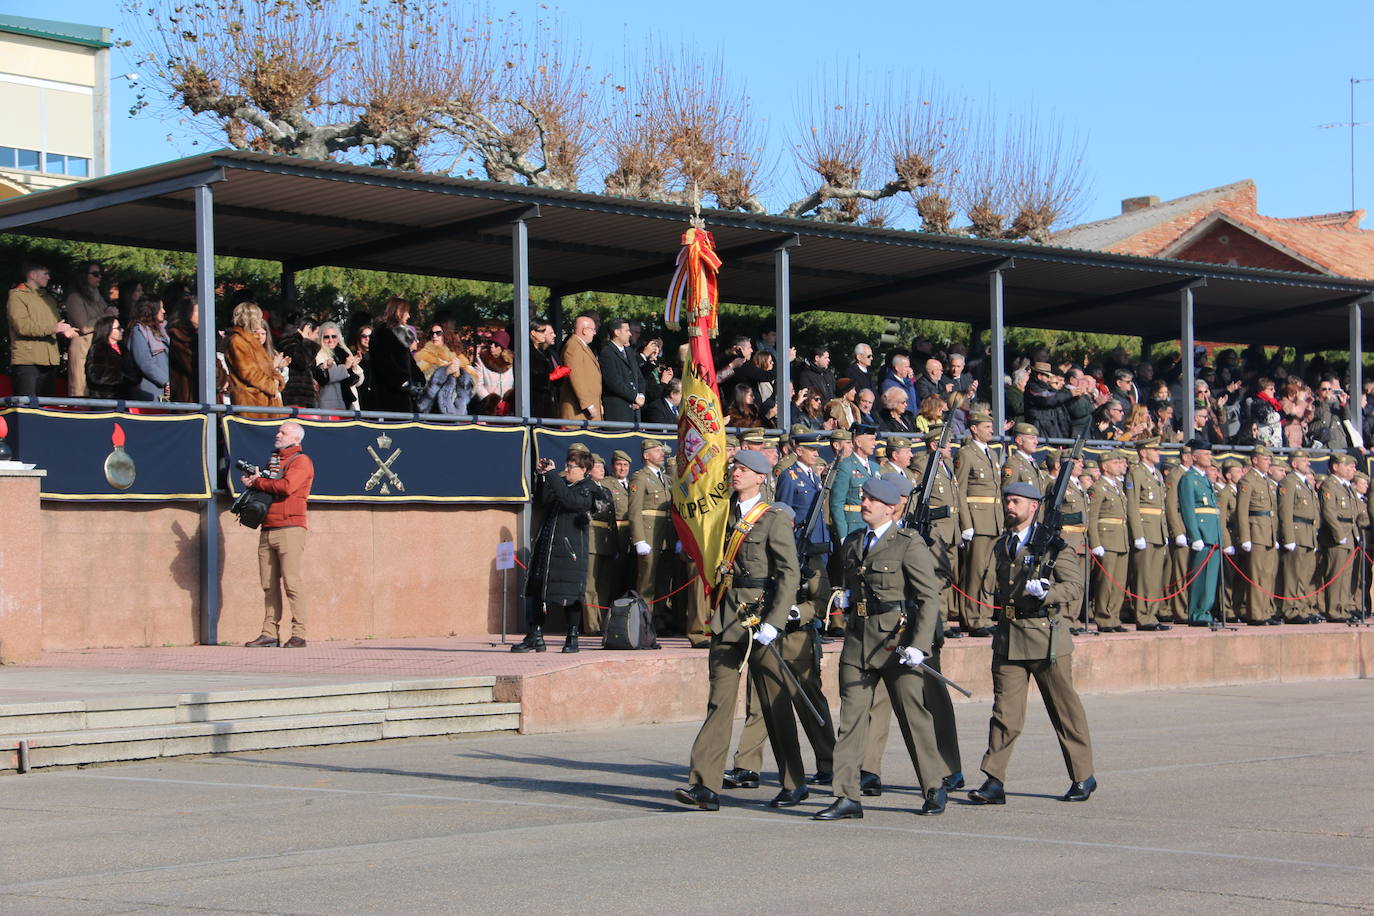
column 790, row 798
column 1257, row 623
column 740, row 779
column 935, row 802
column 295, row 642
column 1147, row 627
column 1115, row 629
column 1161, row 627
column 982, row 631
column 1199, row 623
column 870, row 784
column 954, row 634
column 989, row 793
column 953, row 781
column 820, row 778
column 839, row 809
column 698, row 796
column 1080, row 791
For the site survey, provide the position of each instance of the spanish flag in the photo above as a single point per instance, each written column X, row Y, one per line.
column 701, row 496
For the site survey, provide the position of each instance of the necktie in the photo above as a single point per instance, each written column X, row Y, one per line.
column 869, row 538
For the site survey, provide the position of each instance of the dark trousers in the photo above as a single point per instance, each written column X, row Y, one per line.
column 33, row 381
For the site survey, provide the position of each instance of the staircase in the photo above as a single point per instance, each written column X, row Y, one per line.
column 76, row 732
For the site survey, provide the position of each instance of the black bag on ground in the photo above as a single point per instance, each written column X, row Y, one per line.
column 629, row 625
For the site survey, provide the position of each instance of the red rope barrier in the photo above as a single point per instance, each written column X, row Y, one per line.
column 1187, row 582
column 1340, row 572
column 655, row 601
column 995, row 607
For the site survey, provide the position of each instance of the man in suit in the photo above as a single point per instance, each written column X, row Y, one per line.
column 580, row 398
column 860, row 372
column 892, row 592
column 757, row 591
column 1032, row 641
column 665, row 409
column 622, row 384
column 977, row 472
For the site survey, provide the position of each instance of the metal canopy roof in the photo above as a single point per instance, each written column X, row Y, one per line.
column 306, row 213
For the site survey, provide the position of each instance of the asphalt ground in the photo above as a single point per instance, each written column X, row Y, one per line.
column 1221, row 800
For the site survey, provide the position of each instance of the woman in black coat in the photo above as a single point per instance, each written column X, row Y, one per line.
column 558, row 557
column 394, row 374
column 105, row 360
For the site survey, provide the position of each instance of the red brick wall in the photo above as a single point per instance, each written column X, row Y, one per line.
column 1225, row 244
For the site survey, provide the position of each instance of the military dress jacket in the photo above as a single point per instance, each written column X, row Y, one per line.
column 978, row 476
column 897, row 578
column 651, row 508
column 1299, row 512
column 1028, row 628
column 603, row 539
column 1226, row 509
column 1256, row 510
column 1146, row 494
column 1197, row 503
column 943, row 495
column 1020, row 469
column 765, row 568
column 845, row 491
column 620, row 494
column 1340, row 509
column 1107, row 516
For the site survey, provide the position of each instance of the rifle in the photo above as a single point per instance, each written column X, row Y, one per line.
column 1045, row 542
column 806, row 549
column 919, row 514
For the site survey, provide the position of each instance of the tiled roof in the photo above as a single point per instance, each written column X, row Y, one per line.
column 1345, row 252
column 1120, row 233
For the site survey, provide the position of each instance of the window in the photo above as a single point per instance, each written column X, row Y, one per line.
column 78, row 166
column 52, row 163
column 55, row 163
column 7, row 160
column 28, row 159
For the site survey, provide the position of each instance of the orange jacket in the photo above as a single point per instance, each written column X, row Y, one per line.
column 290, row 491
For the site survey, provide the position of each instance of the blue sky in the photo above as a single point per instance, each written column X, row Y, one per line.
column 1172, row 97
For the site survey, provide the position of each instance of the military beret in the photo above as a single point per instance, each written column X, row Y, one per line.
column 1025, row 429
column 1262, row 452
column 980, row 417
column 863, row 429
column 1151, row 442
column 1022, row 488
column 1196, row 445
column 597, row 459
column 646, row 444
column 754, row 461
column 900, row 481
column 898, row 442
column 881, row 490
column 579, row 447
column 620, row 455
column 841, row 435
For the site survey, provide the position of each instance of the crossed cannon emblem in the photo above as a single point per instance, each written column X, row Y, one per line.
column 384, row 475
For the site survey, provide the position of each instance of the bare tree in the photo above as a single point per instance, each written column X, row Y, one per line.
column 1044, row 175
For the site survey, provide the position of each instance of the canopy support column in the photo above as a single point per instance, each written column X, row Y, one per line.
column 782, row 312
column 1185, row 346
column 288, row 285
column 205, row 360
column 520, row 322
column 996, row 391
column 1356, row 380
column 556, row 317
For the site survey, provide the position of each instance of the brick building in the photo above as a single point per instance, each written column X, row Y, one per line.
column 1222, row 226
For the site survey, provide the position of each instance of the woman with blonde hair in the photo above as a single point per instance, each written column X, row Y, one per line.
column 336, row 370
column 932, row 412
column 254, row 379
column 1138, row 425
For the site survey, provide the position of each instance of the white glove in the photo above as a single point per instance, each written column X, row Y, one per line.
column 1181, row 540
column 1343, row 540
column 794, row 614
column 1099, row 551
column 766, row 633
column 1141, row 544
column 1229, row 551
column 842, row 599
column 1037, row 588
column 1198, row 545
column 967, row 534
column 1247, row 546
column 910, row 656
column 642, row 548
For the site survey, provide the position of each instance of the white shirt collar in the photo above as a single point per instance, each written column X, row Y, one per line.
column 880, row 530
column 1023, row 536
column 746, row 504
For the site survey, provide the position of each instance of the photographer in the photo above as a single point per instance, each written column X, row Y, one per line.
column 558, row 556
column 1329, row 413
column 281, row 544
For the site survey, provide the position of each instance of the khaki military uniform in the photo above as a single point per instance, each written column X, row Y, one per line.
column 1255, row 517
column 1020, row 468
column 894, row 601
column 1179, row 557
column 1299, row 513
column 1075, row 534
column 651, row 520
column 944, row 495
column 603, row 564
column 1033, row 641
column 1107, row 529
column 1145, row 496
column 977, row 475
column 1338, row 538
column 1226, row 511
column 763, row 579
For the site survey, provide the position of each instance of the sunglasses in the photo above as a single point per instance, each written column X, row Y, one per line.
column 331, row 337
column 436, row 333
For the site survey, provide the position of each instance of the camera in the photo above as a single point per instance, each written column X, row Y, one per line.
column 249, row 469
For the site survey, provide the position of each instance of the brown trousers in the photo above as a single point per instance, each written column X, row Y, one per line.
column 941, row 708
column 858, row 684
column 1010, row 685
column 281, row 554
column 797, row 652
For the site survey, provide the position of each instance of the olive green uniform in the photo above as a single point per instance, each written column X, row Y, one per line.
column 651, row 520
column 762, row 579
column 1340, row 511
column 603, row 564
column 1298, row 516
column 977, row 475
column 1145, row 495
column 1179, row 557
column 1107, row 529
column 1033, row 641
column 1226, row 512
column 1255, row 516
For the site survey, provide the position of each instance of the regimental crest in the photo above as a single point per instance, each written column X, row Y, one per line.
column 385, row 475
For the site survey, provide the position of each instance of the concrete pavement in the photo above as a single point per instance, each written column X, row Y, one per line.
column 1249, row 800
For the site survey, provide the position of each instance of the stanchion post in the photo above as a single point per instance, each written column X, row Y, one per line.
column 205, row 359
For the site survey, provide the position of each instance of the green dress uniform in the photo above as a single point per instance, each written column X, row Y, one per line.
column 603, row 563
column 1033, row 641
column 1197, row 502
column 977, row 475
column 894, row 602
column 1178, row 554
column 1145, row 496
column 1255, row 516
column 845, row 491
column 1298, row 511
column 763, row 578
column 651, row 520
column 1338, row 538
column 1107, row 530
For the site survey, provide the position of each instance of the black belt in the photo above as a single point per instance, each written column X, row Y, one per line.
column 748, row 582
column 1038, row 612
column 1304, row 521
column 868, row 607
column 1344, row 520
column 1263, row 513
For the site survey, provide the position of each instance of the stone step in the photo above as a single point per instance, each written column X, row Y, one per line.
column 143, row 742
column 25, row 719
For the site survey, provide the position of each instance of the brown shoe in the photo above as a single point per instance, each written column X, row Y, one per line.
column 295, row 642
column 260, row 642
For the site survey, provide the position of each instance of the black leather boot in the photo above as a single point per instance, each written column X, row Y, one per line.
column 533, row 641
column 570, row 644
